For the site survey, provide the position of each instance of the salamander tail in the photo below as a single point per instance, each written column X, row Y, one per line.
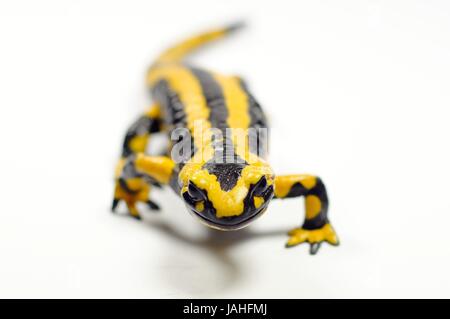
column 179, row 51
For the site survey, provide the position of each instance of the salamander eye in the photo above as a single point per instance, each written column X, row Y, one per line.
column 260, row 187
column 195, row 193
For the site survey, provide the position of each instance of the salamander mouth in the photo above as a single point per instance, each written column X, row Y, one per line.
column 229, row 223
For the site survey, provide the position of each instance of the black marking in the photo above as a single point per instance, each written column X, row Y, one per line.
column 318, row 190
column 227, row 174
column 225, row 164
column 257, row 116
column 229, row 223
column 317, row 222
column 125, row 187
column 196, row 193
column 188, row 199
column 174, row 111
column 143, row 125
column 260, row 187
column 152, row 205
column 152, row 181
column 129, row 171
column 175, row 115
column 267, row 195
column 258, row 122
column 115, row 202
column 223, row 148
column 135, row 216
column 321, row 219
column 297, row 190
column 214, row 98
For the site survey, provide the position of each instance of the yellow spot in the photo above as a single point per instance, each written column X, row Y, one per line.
column 154, row 112
column 134, row 183
column 199, row 206
column 258, row 201
column 313, row 206
column 139, row 143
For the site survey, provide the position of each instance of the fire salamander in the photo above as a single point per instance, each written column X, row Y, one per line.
column 225, row 183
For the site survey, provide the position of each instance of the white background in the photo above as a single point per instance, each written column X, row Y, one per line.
column 356, row 91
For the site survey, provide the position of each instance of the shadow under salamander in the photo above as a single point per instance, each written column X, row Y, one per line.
column 186, row 272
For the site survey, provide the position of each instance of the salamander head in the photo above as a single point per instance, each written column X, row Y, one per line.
column 227, row 196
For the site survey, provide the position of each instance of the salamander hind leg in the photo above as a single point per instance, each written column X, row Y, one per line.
column 316, row 227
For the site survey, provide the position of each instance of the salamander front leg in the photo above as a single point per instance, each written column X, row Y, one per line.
column 133, row 186
column 130, row 188
column 135, row 176
column 316, row 227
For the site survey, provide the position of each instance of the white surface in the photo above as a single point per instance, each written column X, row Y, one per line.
column 357, row 92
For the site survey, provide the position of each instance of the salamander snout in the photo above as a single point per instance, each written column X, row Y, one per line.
column 228, row 210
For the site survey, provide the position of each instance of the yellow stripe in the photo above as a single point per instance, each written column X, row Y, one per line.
column 236, row 101
column 238, row 120
column 185, row 84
